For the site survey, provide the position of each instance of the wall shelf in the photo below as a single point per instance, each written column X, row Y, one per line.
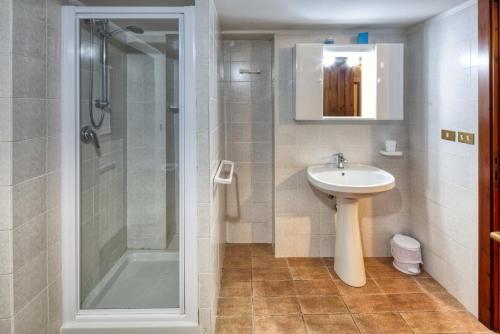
column 391, row 154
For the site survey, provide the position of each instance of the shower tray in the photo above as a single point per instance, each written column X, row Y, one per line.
column 139, row 279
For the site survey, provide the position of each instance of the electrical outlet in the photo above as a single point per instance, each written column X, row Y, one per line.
column 466, row 138
column 448, row 135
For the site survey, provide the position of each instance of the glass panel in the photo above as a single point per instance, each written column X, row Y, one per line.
column 129, row 155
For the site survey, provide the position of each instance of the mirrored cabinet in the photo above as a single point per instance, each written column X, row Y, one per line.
column 358, row 81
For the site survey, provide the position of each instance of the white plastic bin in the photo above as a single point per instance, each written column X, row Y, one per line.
column 406, row 253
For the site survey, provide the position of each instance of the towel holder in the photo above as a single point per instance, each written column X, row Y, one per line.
column 226, row 168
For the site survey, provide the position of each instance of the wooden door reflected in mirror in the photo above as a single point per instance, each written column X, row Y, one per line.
column 342, row 87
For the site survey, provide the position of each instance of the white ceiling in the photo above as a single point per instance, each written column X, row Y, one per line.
column 290, row 14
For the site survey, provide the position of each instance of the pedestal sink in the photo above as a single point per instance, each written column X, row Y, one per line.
column 348, row 185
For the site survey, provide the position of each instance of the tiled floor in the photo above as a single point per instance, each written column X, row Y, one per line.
column 261, row 294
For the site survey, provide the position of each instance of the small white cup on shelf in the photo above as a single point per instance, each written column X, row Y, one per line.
column 390, row 145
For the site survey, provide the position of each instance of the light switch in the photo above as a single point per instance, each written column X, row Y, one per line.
column 448, row 135
column 466, row 138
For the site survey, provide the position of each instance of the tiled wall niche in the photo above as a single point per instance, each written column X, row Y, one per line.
column 304, row 217
column 248, row 107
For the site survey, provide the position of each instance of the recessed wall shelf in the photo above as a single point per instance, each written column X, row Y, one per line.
column 391, row 154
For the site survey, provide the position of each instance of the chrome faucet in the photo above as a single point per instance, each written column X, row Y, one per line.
column 340, row 160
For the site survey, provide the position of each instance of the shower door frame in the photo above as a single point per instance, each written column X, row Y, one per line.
column 73, row 316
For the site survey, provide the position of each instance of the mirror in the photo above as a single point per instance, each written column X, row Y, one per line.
column 349, row 81
column 342, row 87
column 358, row 81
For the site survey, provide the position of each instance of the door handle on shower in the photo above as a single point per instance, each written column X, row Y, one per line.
column 87, row 135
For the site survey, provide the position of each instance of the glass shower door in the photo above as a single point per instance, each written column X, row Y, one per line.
column 129, row 163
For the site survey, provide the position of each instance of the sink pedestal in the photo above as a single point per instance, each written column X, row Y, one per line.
column 349, row 264
column 349, row 184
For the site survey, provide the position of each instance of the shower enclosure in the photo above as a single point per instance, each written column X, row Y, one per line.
column 128, row 146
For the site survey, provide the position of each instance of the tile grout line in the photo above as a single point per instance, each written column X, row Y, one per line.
column 406, row 322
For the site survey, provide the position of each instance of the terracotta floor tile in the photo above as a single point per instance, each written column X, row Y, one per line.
column 235, row 289
column 422, row 274
column 375, row 261
column 322, row 305
column 279, row 325
column 308, row 273
column 236, row 275
column 262, row 250
column 443, row 322
column 329, row 261
column 233, row 325
column 398, row 285
column 271, row 274
column 235, row 307
column 370, row 288
column 382, row 270
column 330, row 324
column 315, row 288
column 434, row 322
column 368, row 303
column 238, row 250
column 413, row 302
column 381, row 323
column 275, row 306
column 469, row 322
column 268, row 262
column 305, row 261
column 333, row 274
column 273, row 288
column 295, row 295
column 430, row 284
column 238, row 262
column 447, row 302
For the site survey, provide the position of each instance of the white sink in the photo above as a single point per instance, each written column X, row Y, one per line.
column 348, row 185
column 353, row 180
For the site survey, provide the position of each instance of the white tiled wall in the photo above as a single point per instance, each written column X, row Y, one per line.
column 249, row 111
column 30, row 279
column 304, row 217
column 441, row 93
column 211, row 149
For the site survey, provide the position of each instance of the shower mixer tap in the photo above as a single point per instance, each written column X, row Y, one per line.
column 87, row 135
